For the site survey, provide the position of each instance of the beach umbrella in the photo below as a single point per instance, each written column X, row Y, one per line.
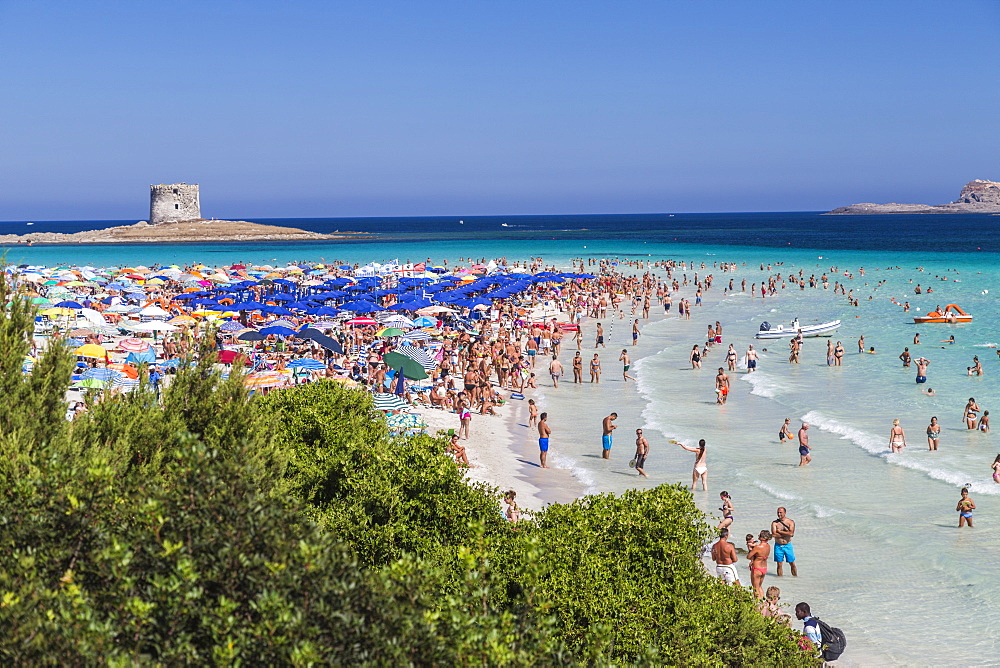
column 390, row 331
column 407, row 365
column 263, row 379
column 91, row 383
column 230, row 357
column 69, row 304
column 126, row 369
column 417, row 336
column 147, row 356
column 252, row 335
column 306, row 363
column 420, row 355
column 322, row 339
column 388, row 402
column 91, row 350
column 83, row 331
column 125, row 383
column 132, row 345
column 101, row 374
column 231, row 326
column 278, row 331
column 328, row 311
column 361, row 306
column 424, row 321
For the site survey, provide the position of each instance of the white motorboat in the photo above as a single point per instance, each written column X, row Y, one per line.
column 769, row 331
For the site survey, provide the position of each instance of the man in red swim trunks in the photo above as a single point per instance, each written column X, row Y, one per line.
column 722, row 386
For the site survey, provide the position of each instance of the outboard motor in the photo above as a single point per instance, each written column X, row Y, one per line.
column 765, row 327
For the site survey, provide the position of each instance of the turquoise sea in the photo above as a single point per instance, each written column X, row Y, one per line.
column 878, row 549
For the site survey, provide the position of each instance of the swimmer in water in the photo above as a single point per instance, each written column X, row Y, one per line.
column 964, row 508
column 950, row 339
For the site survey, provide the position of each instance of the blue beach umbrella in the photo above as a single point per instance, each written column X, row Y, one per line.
column 278, row 331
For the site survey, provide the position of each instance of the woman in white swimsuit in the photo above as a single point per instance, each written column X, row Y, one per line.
column 897, row 438
column 700, row 469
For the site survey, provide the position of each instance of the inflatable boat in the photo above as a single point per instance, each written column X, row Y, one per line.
column 950, row 314
column 769, row 331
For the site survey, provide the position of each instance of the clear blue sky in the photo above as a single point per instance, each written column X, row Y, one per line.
column 285, row 109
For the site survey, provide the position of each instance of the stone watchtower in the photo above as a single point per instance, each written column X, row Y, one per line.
column 177, row 201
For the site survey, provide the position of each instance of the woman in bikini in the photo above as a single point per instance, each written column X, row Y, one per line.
column 731, row 358
column 971, row 409
column 700, row 468
column 758, row 555
column 996, row 470
column 897, row 438
column 933, row 434
column 727, row 510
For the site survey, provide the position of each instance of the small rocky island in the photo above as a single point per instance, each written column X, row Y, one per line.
column 177, row 231
column 977, row 196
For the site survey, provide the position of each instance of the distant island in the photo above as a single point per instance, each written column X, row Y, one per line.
column 177, row 231
column 977, row 196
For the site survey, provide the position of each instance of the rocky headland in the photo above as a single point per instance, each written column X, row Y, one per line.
column 176, row 232
column 977, row 196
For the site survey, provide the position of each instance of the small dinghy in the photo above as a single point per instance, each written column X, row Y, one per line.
column 950, row 314
column 769, row 331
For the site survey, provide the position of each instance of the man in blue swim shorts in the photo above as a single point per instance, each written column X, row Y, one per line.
column 922, row 364
column 607, row 439
column 543, row 438
column 783, row 530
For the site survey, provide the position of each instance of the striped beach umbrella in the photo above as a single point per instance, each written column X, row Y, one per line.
column 419, row 355
column 263, row 379
column 125, row 384
column 133, row 345
column 417, row 336
column 388, row 402
column 102, row 374
column 306, row 363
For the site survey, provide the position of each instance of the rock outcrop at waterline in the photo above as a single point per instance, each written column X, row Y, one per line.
column 182, row 231
column 977, row 196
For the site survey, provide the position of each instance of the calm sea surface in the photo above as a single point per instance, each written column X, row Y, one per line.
column 878, row 551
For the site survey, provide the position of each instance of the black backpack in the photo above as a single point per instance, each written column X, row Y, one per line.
column 834, row 641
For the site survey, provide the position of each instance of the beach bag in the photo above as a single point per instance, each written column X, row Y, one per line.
column 834, row 641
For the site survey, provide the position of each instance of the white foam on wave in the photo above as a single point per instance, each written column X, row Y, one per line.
column 985, row 345
column 777, row 493
column 877, row 446
column 584, row 476
column 764, row 385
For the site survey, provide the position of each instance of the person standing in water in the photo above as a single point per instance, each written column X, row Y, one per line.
column 922, row 364
column 758, row 562
column 751, row 359
column 641, row 450
column 607, row 435
column 785, row 433
column 971, row 408
column 804, row 448
column 996, row 470
column 544, row 431
column 727, row 510
column 897, row 438
column 933, row 434
column 783, row 530
column 964, row 508
column 626, row 364
column 700, row 468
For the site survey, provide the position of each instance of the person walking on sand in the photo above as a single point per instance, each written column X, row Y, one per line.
column 700, row 468
column 626, row 364
column 595, row 369
column 964, row 508
column 933, row 434
column 724, row 556
column 758, row 562
column 577, row 368
column 783, row 530
column 641, row 450
column 805, row 449
column 555, row 370
column 897, row 437
column 922, row 364
column 544, row 431
column 607, row 435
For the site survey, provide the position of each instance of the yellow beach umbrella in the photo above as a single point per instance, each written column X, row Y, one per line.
column 57, row 311
column 91, row 350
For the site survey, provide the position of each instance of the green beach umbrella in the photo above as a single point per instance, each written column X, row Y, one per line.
column 408, row 366
column 92, row 383
column 390, row 331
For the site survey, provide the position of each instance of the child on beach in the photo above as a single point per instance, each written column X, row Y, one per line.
column 964, row 508
column 532, row 413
